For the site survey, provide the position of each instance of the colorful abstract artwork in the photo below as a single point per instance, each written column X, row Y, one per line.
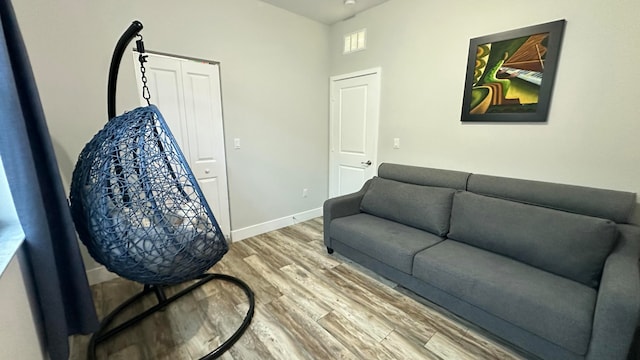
column 510, row 75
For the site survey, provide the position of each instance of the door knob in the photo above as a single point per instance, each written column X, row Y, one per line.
column 368, row 163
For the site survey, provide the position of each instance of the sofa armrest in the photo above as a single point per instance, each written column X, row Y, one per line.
column 618, row 303
column 341, row 206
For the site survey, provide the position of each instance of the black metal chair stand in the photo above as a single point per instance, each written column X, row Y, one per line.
column 103, row 334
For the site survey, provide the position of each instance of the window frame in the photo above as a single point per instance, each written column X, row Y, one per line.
column 11, row 234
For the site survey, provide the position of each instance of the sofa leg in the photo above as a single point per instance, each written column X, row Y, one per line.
column 329, row 250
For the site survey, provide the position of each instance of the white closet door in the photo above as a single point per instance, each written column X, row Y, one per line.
column 164, row 79
column 201, row 83
column 188, row 95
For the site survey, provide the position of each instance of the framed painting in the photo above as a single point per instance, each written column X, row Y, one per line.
column 510, row 75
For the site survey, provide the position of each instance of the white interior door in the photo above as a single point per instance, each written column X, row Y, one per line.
column 188, row 94
column 355, row 106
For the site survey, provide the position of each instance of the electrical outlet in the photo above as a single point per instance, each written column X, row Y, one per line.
column 305, row 192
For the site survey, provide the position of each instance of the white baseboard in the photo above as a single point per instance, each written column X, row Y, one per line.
column 249, row 231
column 101, row 274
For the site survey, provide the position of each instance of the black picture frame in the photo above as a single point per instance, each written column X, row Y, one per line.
column 510, row 75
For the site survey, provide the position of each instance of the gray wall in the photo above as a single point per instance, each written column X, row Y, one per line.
column 274, row 70
column 19, row 337
column 591, row 137
column 275, row 67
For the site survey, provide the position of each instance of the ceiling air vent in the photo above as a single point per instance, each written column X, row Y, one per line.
column 355, row 41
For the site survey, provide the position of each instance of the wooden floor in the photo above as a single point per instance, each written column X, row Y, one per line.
column 309, row 305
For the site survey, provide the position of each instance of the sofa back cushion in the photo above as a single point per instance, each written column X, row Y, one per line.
column 424, row 176
column 607, row 204
column 423, row 207
column 570, row 245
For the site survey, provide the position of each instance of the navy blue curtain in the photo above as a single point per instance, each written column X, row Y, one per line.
column 57, row 270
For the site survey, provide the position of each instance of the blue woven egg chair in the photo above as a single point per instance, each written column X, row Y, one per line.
column 140, row 212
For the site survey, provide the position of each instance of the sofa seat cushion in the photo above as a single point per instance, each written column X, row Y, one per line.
column 571, row 245
column 386, row 241
column 423, row 207
column 552, row 307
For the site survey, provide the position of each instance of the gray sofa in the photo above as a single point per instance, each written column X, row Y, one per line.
column 550, row 268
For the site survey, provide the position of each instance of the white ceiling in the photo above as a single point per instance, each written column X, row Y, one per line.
column 325, row 11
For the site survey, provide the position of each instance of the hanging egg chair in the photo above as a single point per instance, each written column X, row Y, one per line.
column 139, row 210
column 138, row 207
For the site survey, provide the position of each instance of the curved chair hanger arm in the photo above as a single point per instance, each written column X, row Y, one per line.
column 125, row 39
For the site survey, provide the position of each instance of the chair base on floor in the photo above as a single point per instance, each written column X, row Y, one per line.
column 102, row 334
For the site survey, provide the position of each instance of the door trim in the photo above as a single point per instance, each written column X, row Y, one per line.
column 374, row 157
column 371, row 71
column 160, row 53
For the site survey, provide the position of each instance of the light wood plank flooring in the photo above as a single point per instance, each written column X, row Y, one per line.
column 309, row 305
